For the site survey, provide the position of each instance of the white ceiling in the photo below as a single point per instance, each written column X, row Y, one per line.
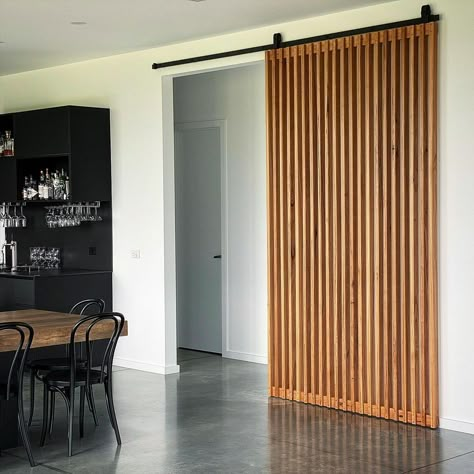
column 38, row 33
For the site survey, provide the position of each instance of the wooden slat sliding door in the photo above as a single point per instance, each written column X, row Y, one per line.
column 352, row 215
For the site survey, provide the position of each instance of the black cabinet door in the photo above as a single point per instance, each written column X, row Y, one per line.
column 40, row 133
column 8, row 180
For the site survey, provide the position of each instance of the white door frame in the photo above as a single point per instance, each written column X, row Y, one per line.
column 222, row 126
column 169, row 250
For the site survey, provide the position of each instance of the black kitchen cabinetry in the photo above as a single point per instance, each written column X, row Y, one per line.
column 54, row 290
column 76, row 139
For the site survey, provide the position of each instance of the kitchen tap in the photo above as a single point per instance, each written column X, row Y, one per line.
column 14, row 249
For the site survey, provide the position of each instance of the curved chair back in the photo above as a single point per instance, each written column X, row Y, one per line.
column 25, row 337
column 117, row 321
column 84, row 305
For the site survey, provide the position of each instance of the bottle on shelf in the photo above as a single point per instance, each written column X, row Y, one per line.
column 32, row 189
column 24, row 193
column 67, row 188
column 48, row 186
column 41, row 193
column 58, row 187
column 8, row 144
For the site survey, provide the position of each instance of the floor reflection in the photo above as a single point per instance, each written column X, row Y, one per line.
column 355, row 443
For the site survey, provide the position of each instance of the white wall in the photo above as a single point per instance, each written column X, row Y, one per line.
column 238, row 96
column 134, row 92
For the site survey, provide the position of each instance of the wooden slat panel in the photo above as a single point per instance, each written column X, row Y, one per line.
column 343, row 217
column 335, row 241
column 313, row 229
column 283, row 227
column 290, row 224
column 305, row 242
column 298, row 223
column 386, row 229
column 352, row 215
column 403, row 274
column 412, row 217
column 422, row 219
column 270, row 104
column 432, row 257
column 327, row 225
column 321, row 218
column 360, row 237
column 275, row 220
column 394, row 219
column 377, row 213
column 368, row 200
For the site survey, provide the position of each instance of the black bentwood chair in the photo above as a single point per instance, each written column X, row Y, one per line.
column 65, row 382
column 62, row 363
column 14, row 383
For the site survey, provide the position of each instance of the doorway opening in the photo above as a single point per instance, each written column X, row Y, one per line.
column 220, row 214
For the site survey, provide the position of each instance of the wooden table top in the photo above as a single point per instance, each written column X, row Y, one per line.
column 51, row 329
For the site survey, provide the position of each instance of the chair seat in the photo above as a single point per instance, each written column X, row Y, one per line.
column 54, row 363
column 62, row 378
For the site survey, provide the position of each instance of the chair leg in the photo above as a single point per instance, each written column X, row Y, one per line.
column 91, row 403
column 32, row 395
column 70, row 420
column 51, row 412
column 44, row 429
column 81, row 411
column 65, row 394
column 111, row 408
column 107, row 404
column 24, row 433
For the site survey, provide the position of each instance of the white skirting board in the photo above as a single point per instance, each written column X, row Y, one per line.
column 146, row 366
column 456, row 425
column 245, row 356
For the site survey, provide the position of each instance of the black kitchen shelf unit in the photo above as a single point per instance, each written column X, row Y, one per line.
column 73, row 138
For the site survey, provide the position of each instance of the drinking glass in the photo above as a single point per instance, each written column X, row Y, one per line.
column 21, row 217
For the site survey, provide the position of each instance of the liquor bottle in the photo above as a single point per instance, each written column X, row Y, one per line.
column 67, row 188
column 63, row 184
column 24, row 193
column 2, row 144
column 57, row 187
column 32, row 189
column 8, row 145
column 47, row 183
column 41, row 193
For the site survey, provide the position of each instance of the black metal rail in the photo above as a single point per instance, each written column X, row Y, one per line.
column 426, row 17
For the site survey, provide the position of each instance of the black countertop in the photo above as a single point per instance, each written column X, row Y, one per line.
column 50, row 273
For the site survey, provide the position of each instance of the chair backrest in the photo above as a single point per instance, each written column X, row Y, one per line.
column 118, row 321
column 25, row 337
column 80, row 308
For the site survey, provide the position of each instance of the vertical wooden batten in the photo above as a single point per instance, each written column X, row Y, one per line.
column 352, row 223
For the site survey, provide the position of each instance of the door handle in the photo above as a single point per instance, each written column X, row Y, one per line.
column 218, row 256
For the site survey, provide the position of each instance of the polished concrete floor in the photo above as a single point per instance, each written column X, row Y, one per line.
column 215, row 417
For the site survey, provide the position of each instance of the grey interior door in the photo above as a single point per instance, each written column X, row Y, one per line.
column 198, row 237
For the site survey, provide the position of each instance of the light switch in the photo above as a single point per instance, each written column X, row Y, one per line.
column 136, row 253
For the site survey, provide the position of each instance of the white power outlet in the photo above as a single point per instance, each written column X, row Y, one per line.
column 136, row 253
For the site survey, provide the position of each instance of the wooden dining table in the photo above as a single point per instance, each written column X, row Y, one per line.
column 50, row 329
